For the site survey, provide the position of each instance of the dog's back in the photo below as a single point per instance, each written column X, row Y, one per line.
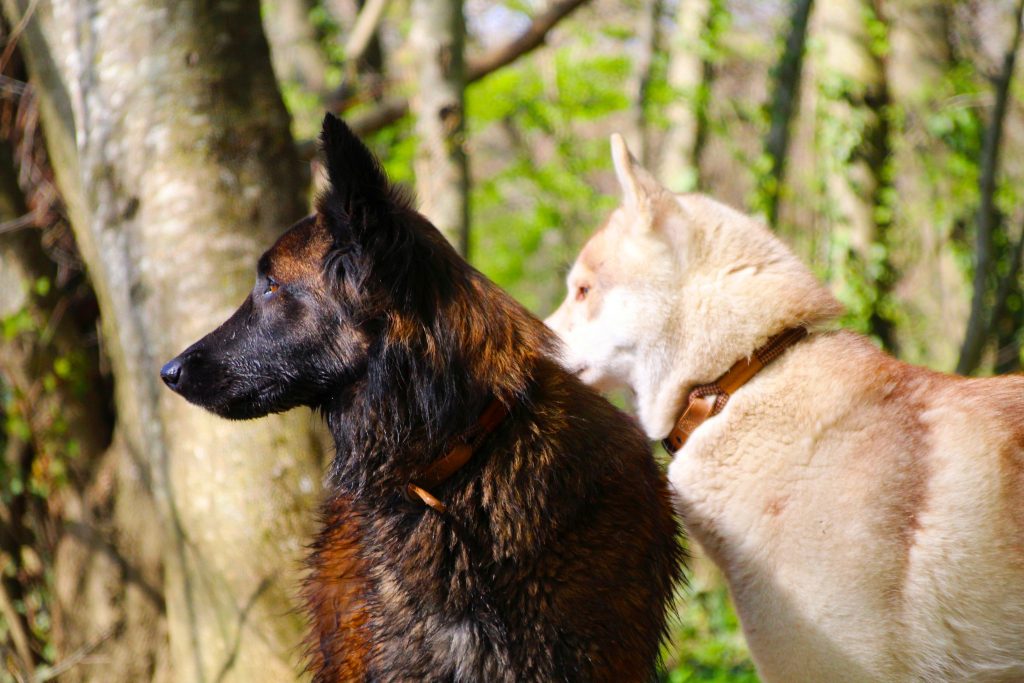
column 574, row 563
column 875, row 521
column 557, row 561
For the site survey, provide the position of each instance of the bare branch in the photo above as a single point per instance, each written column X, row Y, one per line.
column 48, row 673
column 391, row 110
column 17, row 629
column 12, row 40
column 366, row 25
column 528, row 41
column 394, row 109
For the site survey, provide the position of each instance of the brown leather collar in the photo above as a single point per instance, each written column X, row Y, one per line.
column 457, row 456
column 700, row 406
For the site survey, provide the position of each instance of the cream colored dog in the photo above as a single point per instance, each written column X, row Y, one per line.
column 868, row 515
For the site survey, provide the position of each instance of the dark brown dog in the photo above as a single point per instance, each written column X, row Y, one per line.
column 556, row 554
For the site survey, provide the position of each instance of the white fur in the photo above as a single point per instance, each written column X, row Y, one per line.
column 868, row 516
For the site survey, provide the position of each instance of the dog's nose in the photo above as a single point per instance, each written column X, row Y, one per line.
column 171, row 373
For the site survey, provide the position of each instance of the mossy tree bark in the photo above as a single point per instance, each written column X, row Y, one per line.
column 931, row 289
column 979, row 324
column 853, row 135
column 296, row 53
column 689, row 76
column 785, row 98
column 648, row 39
column 171, row 147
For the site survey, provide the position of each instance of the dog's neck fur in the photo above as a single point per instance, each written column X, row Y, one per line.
column 378, row 451
column 717, row 318
column 408, row 408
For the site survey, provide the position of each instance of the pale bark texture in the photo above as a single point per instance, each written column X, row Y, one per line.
column 648, row 39
column 438, row 38
column 919, row 50
column 171, row 148
column 784, row 99
column 364, row 30
column 296, row 55
column 854, row 138
column 689, row 75
column 854, row 82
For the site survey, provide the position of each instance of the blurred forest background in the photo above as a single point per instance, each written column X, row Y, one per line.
column 151, row 149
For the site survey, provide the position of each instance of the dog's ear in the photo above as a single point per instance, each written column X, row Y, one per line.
column 358, row 187
column 639, row 187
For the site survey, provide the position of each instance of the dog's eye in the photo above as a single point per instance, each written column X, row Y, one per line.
column 581, row 292
column 272, row 287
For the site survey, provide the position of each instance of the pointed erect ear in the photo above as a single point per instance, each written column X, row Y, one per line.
column 353, row 170
column 357, row 180
column 639, row 187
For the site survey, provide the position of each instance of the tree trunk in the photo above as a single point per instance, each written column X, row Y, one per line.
column 171, row 147
column 296, row 51
column 784, row 99
column 919, row 50
column 931, row 289
column 689, row 77
column 976, row 335
column 854, row 139
column 643, row 75
column 442, row 170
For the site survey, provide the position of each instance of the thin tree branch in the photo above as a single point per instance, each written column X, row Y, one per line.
column 365, row 26
column 48, row 673
column 527, row 41
column 17, row 629
column 19, row 223
column 12, row 40
column 394, row 109
column 388, row 112
column 977, row 325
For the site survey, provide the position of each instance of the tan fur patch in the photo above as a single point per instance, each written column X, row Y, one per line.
column 298, row 254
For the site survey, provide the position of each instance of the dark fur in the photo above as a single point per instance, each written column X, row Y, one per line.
column 558, row 554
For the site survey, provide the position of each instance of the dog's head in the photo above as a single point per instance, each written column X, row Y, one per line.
column 321, row 295
column 677, row 287
column 364, row 294
column 620, row 281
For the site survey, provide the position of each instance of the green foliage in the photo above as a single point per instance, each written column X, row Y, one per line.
column 548, row 182
column 39, row 452
column 707, row 643
column 396, row 146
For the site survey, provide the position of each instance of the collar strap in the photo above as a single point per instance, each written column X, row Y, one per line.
column 457, row 456
column 707, row 400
